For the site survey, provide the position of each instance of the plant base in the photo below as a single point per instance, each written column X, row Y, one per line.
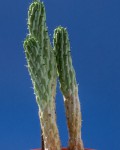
column 64, row 149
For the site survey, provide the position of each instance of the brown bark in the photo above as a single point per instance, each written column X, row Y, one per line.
column 73, row 114
column 49, row 129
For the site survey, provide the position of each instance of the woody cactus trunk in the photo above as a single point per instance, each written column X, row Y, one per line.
column 44, row 61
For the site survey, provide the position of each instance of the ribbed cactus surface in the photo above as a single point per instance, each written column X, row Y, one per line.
column 42, row 69
column 64, row 62
column 69, row 87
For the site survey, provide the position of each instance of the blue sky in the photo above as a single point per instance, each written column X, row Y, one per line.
column 94, row 31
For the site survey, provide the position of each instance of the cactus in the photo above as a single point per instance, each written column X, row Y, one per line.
column 42, row 69
column 68, row 87
column 45, row 63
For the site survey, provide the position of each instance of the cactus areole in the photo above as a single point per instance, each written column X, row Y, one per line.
column 45, row 64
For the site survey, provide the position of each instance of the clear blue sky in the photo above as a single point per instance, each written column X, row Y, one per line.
column 94, row 30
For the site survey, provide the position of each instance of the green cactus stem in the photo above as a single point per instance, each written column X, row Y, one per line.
column 42, row 69
column 69, row 87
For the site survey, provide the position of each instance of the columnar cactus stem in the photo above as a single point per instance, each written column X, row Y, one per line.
column 42, row 69
column 68, row 87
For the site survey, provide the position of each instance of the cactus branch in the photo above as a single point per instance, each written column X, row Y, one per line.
column 42, row 69
column 69, row 87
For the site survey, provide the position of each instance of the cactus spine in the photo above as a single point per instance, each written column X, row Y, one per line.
column 68, row 87
column 42, row 69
